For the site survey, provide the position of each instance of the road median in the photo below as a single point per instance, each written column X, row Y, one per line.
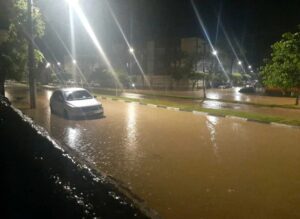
column 197, row 109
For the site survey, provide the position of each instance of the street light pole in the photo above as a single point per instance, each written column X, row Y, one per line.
column 31, row 75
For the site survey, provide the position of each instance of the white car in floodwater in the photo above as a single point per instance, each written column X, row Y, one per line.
column 74, row 102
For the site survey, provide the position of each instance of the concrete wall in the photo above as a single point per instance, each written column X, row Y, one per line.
column 163, row 82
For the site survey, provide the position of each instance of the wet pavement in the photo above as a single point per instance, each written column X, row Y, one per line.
column 185, row 165
column 268, row 111
column 231, row 94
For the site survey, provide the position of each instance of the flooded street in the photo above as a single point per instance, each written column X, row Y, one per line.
column 185, row 165
column 231, row 94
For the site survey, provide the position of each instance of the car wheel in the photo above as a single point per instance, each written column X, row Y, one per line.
column 66, row 114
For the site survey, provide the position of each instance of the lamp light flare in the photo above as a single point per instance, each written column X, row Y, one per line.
column 215, row 52
column 58, row 63
column 131, row 50
column 84, row 21
column 250, row 67
column 48, row 65
column 207, row 37
column 74, row 61
column 240, row 62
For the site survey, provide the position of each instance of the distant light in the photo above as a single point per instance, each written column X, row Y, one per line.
column 74, row 61
column 251, row 71
column 215, row 52
column 132, row 85
column 58, row 63
column 131, row 50
column 240, row 62
column 249, row 66
column 48, row 65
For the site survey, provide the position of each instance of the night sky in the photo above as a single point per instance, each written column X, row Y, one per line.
column 252, row 24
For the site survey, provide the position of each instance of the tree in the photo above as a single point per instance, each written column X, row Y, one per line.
column 282, row 69
column 236, row 78
column 14, row 48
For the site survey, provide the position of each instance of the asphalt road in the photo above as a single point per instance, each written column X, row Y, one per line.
column 185, row 165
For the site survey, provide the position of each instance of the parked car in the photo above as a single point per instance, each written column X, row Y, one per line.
column 71, row 82
column 224, row 86
column 94, row 84
column 247, row 89
column 74, row 102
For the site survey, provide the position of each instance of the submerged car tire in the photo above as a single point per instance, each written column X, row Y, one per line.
column 66, row 114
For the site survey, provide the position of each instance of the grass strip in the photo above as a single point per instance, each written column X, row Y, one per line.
column 112, row 92
column 189, row 107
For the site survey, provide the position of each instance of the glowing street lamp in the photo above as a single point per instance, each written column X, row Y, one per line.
column 250, row 67
column 131, row 50
column 48, row 65
column 240, row 62
column 58, row 63
column 74, row 61
column 215, row 52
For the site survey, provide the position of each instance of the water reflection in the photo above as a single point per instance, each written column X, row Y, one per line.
column 214, row 95
column 131, row 130
column 211, row 123
column 48, row 94
column 73, row 137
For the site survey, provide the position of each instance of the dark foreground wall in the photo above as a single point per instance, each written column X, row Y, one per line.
column 40, row 180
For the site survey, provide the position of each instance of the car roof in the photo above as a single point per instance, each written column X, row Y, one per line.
column 71, row 89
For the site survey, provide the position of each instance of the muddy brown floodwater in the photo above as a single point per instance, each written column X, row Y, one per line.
column 185, row 165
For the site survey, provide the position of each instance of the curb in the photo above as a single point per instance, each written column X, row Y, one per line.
column 216, row 115
column 195, row 112
column 236, row 117
column 284, row 125
column 185, row 110
column 199, row 113
column 254, row 120
column 172, row 108
column 152, row 105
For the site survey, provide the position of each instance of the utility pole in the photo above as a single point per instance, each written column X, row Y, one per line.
column 203, row 81
column 31, row 74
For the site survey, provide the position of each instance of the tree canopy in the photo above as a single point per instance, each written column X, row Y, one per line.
column 14, row 49
column 282, row 69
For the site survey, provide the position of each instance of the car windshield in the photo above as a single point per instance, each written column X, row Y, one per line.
column 78, row 95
